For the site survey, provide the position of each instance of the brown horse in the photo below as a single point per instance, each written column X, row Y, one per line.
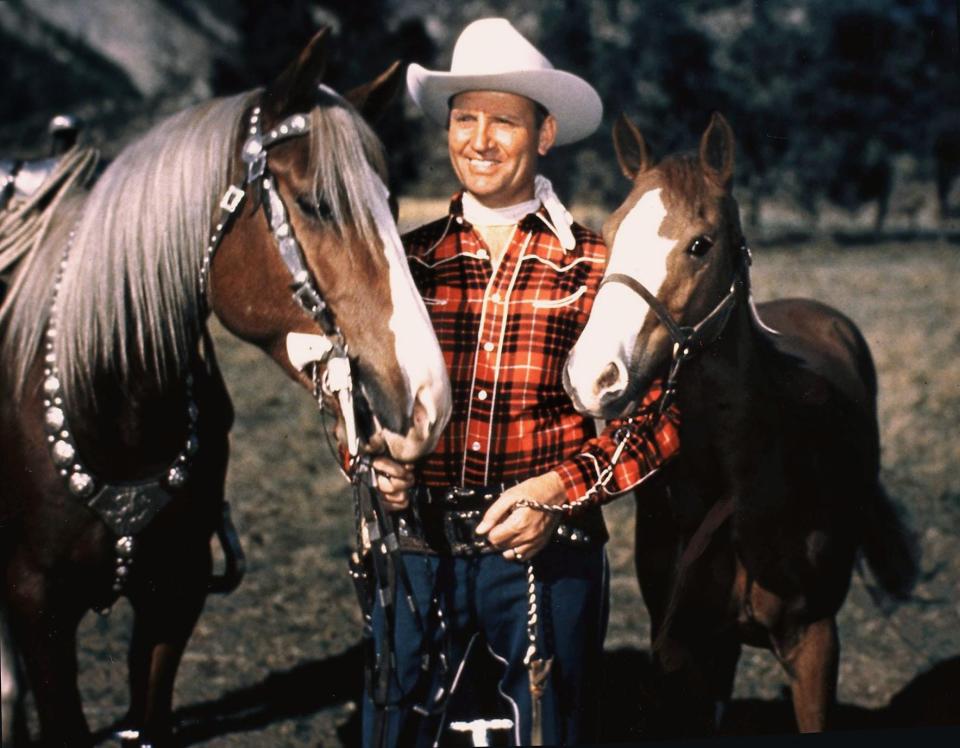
column 114, row 416
column 753, row 534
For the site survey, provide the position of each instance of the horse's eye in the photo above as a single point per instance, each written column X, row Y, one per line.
column 310, row 206
column 700, row 246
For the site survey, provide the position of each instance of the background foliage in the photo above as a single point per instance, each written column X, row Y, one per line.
column 827, row 99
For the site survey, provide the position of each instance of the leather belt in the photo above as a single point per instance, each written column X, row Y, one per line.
column 444, row 521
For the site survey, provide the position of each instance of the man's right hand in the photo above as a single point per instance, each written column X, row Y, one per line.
column 393, row 480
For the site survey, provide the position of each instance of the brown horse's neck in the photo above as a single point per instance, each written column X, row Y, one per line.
column 722, row 392
column 132, row 430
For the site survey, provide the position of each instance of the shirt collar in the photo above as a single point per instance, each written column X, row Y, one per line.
column 540, row 216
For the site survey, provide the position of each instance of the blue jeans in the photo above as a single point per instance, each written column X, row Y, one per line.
column 484, row 603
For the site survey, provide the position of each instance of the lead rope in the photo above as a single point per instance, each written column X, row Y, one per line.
column 538, row 668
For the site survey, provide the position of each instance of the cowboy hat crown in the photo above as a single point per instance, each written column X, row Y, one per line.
column 491, row 55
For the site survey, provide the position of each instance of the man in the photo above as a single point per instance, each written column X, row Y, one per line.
column 508, row 279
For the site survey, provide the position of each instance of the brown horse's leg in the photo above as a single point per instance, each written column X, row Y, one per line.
column 725, row 655
column 814, row 659
column 44, row 625
column 165, row 614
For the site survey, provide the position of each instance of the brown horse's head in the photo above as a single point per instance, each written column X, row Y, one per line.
column 678, row 235
column 331, row 183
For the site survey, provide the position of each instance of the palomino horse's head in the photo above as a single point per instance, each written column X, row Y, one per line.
column 676, row 238
column 330, row 180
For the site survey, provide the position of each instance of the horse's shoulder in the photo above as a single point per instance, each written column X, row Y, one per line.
column 821, row 349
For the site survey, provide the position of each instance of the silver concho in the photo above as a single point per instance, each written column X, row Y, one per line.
column 193, row 445
column 176, row 477
column 124, row 546
column 54, row 419
column 51, row 386
column 81, row 485
column 63, row 453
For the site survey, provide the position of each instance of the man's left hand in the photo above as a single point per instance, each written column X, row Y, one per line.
column 523, row 532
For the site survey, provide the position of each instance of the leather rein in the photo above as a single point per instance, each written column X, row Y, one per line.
column 379, row 571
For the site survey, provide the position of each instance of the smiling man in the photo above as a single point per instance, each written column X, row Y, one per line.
column 501, row 526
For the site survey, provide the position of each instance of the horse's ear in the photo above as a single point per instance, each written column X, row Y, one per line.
column 295, row 89
column 373, row 98
column 716, row 150
column 632, row 153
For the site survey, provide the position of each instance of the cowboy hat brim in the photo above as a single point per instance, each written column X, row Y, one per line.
column 570, row 99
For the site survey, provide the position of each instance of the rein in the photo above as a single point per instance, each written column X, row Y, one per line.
column 380, row 573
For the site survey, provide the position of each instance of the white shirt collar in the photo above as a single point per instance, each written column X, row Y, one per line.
column 558, row 218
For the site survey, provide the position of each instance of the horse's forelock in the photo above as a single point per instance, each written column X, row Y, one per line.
column 346, row 161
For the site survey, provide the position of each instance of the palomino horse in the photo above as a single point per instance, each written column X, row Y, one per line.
column 753, row 535
column 114, row 415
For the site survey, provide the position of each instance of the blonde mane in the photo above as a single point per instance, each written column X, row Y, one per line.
column 128, row 300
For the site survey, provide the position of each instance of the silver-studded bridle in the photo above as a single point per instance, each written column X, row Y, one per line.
column 337, row 377
column 127, row 508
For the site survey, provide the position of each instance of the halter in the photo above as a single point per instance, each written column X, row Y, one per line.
column 688, row 341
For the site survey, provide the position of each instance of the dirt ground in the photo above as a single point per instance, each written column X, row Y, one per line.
column 276, row 663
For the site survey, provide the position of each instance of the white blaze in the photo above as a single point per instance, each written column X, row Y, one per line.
column 618, row 312
column 417, row 349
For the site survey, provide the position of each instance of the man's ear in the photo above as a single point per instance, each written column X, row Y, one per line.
column 548, row 135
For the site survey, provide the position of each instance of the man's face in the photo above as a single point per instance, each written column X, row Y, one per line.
column 495, row 144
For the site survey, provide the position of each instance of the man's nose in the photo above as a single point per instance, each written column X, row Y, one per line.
column 480, row 140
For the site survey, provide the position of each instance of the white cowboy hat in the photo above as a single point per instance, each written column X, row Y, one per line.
column 491, row 55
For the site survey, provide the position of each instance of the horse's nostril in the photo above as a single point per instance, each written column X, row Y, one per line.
column 612, row 380
column 425, row 406
column 421, row 417
column 608, row 377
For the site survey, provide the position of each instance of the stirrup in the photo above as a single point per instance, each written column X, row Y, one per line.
column 235, row 561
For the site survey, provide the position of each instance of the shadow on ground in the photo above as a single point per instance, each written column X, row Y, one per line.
column 930, row 699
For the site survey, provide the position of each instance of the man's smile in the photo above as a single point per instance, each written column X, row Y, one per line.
column 483, row 164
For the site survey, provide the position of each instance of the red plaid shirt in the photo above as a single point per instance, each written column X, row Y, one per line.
column 505, row 337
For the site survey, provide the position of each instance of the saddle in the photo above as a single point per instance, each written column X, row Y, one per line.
column 31, row 190
column 20, row 180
